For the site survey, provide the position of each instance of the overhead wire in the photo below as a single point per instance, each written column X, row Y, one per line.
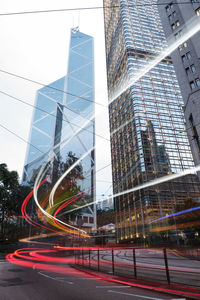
column 50, row 87
column 15, row 134
column 33, row 81
column 22, row 101
column 50, row 114
column 88, row 8
column 18, row 136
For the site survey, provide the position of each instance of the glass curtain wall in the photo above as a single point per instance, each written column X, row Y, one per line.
column 148, row 137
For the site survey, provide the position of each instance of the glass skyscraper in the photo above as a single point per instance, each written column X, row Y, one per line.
column 148, row 137
column 63, row 124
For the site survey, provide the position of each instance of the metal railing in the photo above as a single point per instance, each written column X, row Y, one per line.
column 160, row 265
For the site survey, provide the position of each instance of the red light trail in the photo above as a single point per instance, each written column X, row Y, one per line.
column 41, row 259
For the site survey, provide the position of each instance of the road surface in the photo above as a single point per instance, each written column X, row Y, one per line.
column 20, row 283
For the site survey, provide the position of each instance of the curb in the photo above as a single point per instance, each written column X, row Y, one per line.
column 138, row 284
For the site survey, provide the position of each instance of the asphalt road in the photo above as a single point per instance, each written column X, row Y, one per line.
column 20, row 283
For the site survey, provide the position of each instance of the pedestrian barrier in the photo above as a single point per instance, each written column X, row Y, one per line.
column 160, row 265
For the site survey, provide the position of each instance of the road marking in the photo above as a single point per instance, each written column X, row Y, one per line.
column 55, row 278
column 92, row 278
column 113, row 287
column 135, row 295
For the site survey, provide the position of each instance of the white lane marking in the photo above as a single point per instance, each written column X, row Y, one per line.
column 92, row 278
column 113, row 287
column 55, row 278
column 135, row 295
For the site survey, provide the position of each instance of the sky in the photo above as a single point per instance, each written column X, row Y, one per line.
column 36, row 46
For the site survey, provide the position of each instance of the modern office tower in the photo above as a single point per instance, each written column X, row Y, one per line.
column 63, row 126
column 177, row 18
column 148, row 138
column 45, row 128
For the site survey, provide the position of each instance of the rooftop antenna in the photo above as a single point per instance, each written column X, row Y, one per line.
column 79, row 19
column 76, row 21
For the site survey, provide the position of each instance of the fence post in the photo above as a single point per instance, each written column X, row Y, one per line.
column 113, row 266
column 89, row 258
column 166, row 265
column 134, row 263
column 98, row 258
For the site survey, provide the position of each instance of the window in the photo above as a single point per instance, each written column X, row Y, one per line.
column 178, row 34
column 193, row 68
column 170, row 17
column 188, row 55
column 169, row 7
column 197, row 82
column 192, row 85
column 194, row 1
column 187, row 70
column 177, row 23
column 85, row 219
column 174, row 14
column 183, row 58
column 197, row 11
column 91, row 220
column 183, row 45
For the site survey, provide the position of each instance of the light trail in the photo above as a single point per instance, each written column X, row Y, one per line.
column 64, row 205
column 36, row 224
column 176, row 214
column 40, row 174
column 25, row 215
column 122, row 126
column 51, row 197
column 176, row 226
column 41, row 259
column 190, row 29
column 145, row 185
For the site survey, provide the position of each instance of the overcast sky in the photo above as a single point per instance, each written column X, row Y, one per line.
column 36, row 46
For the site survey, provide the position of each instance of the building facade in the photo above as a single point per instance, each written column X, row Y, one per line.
column 176, row 17
column 148, row 138
column 63, row 125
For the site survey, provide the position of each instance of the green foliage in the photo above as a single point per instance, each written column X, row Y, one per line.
column 12, row 195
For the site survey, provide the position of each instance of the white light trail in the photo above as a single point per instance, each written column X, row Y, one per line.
column 51, row 197
column 145, row 185
column 37, row 181
column 190, row 28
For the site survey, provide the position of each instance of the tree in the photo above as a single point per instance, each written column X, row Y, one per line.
column 68, row 186
column 9, row 191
